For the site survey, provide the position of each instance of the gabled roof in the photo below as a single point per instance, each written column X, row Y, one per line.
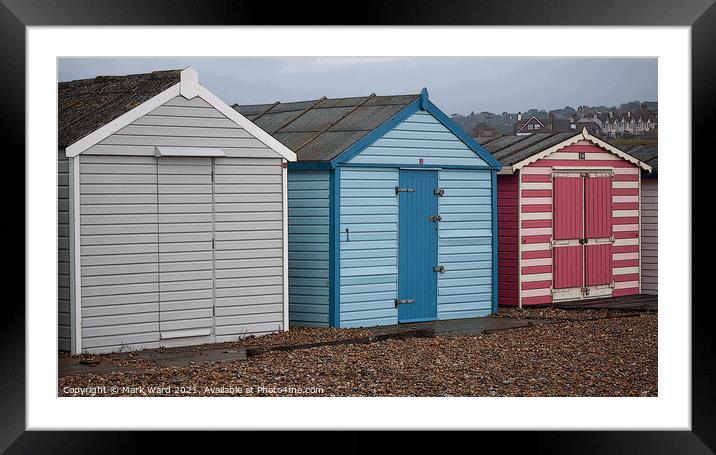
column 332, row 131
column 515, row 152
column 520, row 125
column 86, row 105
column 91, row 110
column 319, row 130
column 648, row 153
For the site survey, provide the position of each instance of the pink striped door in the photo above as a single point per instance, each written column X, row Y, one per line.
column 598, row 262
column 567, row 215
column 568, row 208
column 598, row 226
column 597, row 207
column 568, row 267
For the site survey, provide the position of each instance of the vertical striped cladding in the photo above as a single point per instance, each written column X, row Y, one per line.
column 649, row 235
column 182, row 123
column 119, row 252
column 507, row 241
column 465, row 244
column 419, row 136
column 536, row 212
column 308, row 246
column 63, row 252
column 249, row 246
column 369, row 250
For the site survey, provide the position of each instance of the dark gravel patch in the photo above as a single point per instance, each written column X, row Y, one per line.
column 603, row 357
column 297, row 335
column 559, row 314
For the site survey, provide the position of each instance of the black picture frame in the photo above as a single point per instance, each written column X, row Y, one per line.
column 16, row 15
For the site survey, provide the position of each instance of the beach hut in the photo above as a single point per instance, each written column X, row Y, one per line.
column 569, row 218
column 649, row 153
column 391, row 211
column 171, row 216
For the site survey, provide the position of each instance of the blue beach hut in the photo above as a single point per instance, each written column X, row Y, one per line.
column 392, row 211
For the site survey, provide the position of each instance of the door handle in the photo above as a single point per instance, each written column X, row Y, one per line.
column 435, row 218
column 403, row 301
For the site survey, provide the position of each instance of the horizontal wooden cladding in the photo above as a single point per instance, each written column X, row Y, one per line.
column 150, row 151
column 507, row 220
column 146, row 241
column 176, row 124
column 465, row 244
column 255, row 234
column 63, row 252
column 308, row 199
column 649, row 236
column 420, row 136
column 163, row 141
column 367, row 289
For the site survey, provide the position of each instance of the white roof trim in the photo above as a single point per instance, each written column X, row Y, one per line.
column 188, row 151
column 583, row 135
column 189, row 83
column 247, row 124
column 188, row 87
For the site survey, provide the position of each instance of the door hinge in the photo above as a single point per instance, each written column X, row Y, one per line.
column 403, row 301
column 212, row 244
column 439, row 192
column 435, row 218
column 404, row 190
column 439, row 268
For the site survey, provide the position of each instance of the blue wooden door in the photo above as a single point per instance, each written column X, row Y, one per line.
column 417, row 246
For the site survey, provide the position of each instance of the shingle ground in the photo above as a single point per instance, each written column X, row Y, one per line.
column 614, row 356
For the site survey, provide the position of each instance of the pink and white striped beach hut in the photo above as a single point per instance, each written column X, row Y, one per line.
column 569, row 216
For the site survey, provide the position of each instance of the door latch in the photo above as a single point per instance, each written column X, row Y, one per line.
column 403, row 301
column 435, row 218
column 404, row 190
column 439, row 268
column 583, row 241
column 439, row 192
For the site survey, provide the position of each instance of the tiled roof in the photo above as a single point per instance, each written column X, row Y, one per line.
column 88, row 104
column 319, row 130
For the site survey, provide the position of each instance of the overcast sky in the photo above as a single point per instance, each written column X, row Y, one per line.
column 456, row 85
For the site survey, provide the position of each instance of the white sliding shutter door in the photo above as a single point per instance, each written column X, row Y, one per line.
column 186, row 290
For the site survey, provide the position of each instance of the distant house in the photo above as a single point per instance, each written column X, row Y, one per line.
column 537, row 125
column 616, row 123
column 634, row 123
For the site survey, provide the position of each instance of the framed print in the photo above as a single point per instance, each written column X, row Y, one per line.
column 412, row 217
